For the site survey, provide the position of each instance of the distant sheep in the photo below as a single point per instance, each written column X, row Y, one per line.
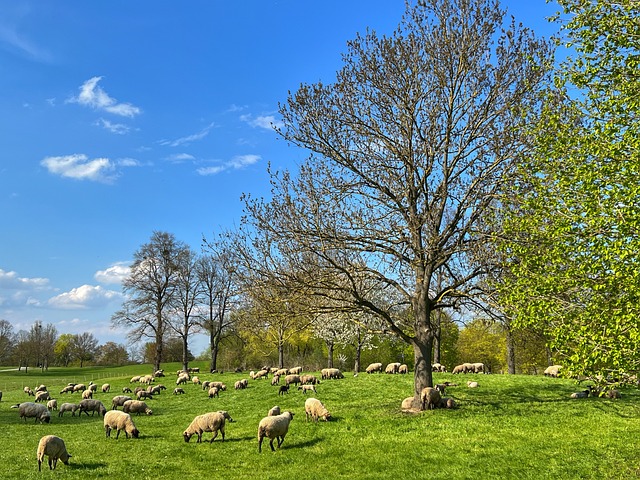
column 214, row 392
column 67, row 389
column 68, row 407
column 118, row 401
column 105, row 388
column 403, row 369
column 283, row 389
column 307, row 388
column 459, row 369
column 54, row 448
column 117, row 420
column 552, row 371
column 43, row 396
column 478, row 367
column 295, row 371
column 315, row 409
column 93, row 387
column 275, row 410
column 241, row 384
column 92, row 406
column 289, row 379
column 28, row 391
column 136, row 406
column 261, row 374
column 309, row 380
column 196, row 380
column 178, row 391
column 392, row 368
column 52, row 404
column 33, row 410
column 331, row 373
column 275, row 427
column 438, row 367
column 182, row 380
column 135, row 379
column 374, row 367
column 471, row 384
column 208, row 422
column 80, row 387
column 126, row 390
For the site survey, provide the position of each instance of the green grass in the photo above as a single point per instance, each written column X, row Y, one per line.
column 520, row 427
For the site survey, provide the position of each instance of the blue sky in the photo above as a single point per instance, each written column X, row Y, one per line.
column 119, row 118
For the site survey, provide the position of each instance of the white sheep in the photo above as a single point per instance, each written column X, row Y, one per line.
column 315, row 409
column 93, row 406
column 40, row 388
column 392, row 368
column 289, row 379
column 33, row 410
column 87, row 394
column 295, row 371
column 135, row 379
column 403, row 368
column 178, row 390
column 471, row 384
column 213, row 392
column 309, row 380
column 552, row 371
column 52, row 404
column 430, row 398
column 374, row 367
column 28, row 391
column 208, row 422
column 93, row 387
column 118, row 401
column 117, row 420
column 54, row 448
column 275, row 410
column 136, row 406
column 80, row 387
column 68, row 407
column 67, row 389
column 275, row 427
column 42, row 396
column 105, row 388
column 241, row 384
column 307, row 388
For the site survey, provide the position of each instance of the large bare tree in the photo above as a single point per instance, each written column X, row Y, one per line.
column 408, row 147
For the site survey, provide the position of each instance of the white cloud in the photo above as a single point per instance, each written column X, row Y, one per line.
column 117, row 128
column 23, row 45
column 236, row 163
column 86, row 296
column 115, row 274
column 267, row 122
column 11, row 281
column 79, row 166
column 180, row 157
column 91, row 95
column 128, row 162
column 189, row 138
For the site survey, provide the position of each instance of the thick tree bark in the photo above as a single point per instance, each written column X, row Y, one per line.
column 214, row 341
column 511, row 352
column 329, row 354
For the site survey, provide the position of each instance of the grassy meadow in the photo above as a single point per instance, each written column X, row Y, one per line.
column 523, row 427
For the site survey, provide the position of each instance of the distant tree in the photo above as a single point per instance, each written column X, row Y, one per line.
column 24, row 351
column 150, row 289
column 112, row 354
column 483, row 341
column 84, row 346
column 7, row 341
column 172, row 351
column 63, row 349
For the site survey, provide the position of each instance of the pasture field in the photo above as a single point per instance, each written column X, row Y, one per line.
column 511, row 427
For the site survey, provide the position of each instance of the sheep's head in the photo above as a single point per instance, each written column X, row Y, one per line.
column 187, row 436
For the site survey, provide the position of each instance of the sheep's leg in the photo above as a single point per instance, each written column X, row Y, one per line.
column 55, row 463
column 118, row 433
column 213, row 437
column 271, row 443
column 280, row 440
column 260, row 444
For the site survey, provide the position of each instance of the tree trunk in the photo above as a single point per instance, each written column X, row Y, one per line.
column 356, row 366
column 281, row 355
column 158, row 353
column 213, row 342
column 185, row 353
column 329, row 354
column 511, row 352
column 436, row 339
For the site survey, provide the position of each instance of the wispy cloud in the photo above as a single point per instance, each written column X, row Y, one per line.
column 15, row 42
column 189, row 138
column 86, row 296
column 267, row 122
column 181, row 157
column 236, row 163
column 114, row 275
column 117, row 128
column 91, row 95
column 80, row 167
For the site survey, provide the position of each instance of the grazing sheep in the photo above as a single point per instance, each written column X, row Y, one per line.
column 392, row 368
column 54, row 448
column 213, row 392
column 282, row 371
column 438, row 367
column 33, row 410
column 283, row 389
column 471, row 384
column 135, row 379
column 582, row 394
column 241, row 384
column 219, row 385
column 275, row 427
column 136, row 406
column 68, row 407
column 52, row 404
column 43, row 396
column 67, row 389
column 117, row 420
column 118, row 401
column 92, row 406
column 307, row 388
column 403, row 369
column 144, row 394
column 430, row 398
column 155, row 390
column 315, row 409
column 309, row 380
column 261, row 374
column 289, row 379
column 87, row 394
column 147, row 379
column 182, row 380
column 93, row 387
column 105, row 388
column 334, row 373
column 126, row 390
column 275, row 380
column 275, row 410
column 295, row 371
column 196, row 380
column 552, row 371
column 29, row 392
column 208, row 422
column 194, row 370
column 80, row 387
column 159, row 373
column 478, row 368
column 374, row 367
column 458, row 369
column 177, row 391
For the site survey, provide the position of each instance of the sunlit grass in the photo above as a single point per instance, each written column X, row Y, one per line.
column 509, row 427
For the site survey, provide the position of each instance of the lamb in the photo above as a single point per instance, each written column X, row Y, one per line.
column 315, row 409
column 136, row 406
column 430, row 398
column 208, row 422
column 68, row 407
column 118, row 401
column 275, row 410
column 307, row 388
column 177, row 391
column 42, row 396
column 29, row 392
column 392, row 368
column 289, row 379
column 105, row 388
column 52, row 404
column 552, row 371
column 374, row 367
column 213, row 392
column 54, row 448
column 33, row 410
column 582, row 394
column 403, row 369
column 117, row 420
column 275, row 427
column 241, row 384
column 92, row 406
column 283, row 389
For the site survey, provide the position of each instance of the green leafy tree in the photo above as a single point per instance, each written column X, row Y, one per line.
column 573, row 240
column 112, row 354
column 483, row 341
column 63, row 349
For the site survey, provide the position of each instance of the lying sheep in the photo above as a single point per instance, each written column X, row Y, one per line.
column 54, row 448
column 208, row 422
column 33, row 410
column 117, row 420
column 307, row 388
column 92, row 406
column 105, row 388
column 471, row 384
column 118, row 401
column 275, row 410
column 582, row 394
column 447, row 403
column 275, row 427
column 177, row 391
column 52, row 404
column 315, row 409
column 68, row 407
column 136, row 406
column 374, row 367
